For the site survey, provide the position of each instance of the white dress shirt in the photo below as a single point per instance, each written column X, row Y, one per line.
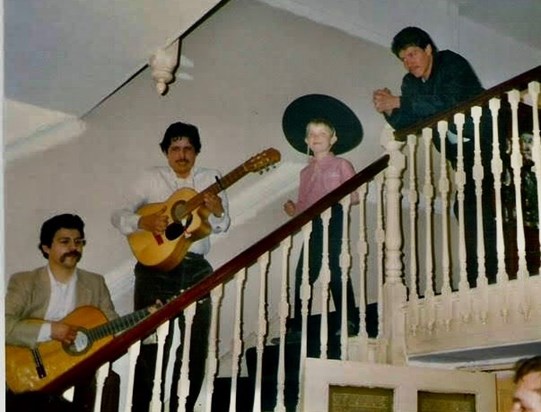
column 61, row 303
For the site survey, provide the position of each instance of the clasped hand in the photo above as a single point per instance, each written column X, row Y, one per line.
column 384, row 101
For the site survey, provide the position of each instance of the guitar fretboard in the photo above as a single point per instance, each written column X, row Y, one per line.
column 221, row 184
column 117, row 325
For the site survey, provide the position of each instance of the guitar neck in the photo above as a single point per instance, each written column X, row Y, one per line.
column 118, row 325
column 221, row 184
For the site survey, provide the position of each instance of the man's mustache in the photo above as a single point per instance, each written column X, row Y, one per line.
column 71, row 254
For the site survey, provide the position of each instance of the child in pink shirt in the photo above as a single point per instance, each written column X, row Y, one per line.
column 324, row 173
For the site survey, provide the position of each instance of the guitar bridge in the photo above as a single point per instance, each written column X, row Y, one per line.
column 40, row 368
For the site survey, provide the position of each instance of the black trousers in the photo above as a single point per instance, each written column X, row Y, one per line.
column 151, row 285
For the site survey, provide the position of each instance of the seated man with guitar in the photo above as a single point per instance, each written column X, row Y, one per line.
column 38, row 328
column 172, row 211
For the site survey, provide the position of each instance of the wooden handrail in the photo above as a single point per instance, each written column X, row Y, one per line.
column 519, row 82
column 118, row 346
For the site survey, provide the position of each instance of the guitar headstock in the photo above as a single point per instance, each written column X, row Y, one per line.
column 262, row 160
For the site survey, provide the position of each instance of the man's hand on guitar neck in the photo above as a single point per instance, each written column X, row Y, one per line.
column 214, row 204
column 155, row 222
column 63, row 333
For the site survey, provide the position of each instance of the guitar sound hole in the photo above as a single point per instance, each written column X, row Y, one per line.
column 80, row 345
column 174, row 231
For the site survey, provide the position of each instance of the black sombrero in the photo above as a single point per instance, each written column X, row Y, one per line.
column 316, row 106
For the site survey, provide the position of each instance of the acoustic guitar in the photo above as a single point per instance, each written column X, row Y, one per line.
column 188, row 217
column 31, row 369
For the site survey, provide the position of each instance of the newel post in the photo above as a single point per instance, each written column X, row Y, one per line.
column 394, row 289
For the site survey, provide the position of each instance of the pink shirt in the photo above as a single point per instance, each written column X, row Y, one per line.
column 320, row 177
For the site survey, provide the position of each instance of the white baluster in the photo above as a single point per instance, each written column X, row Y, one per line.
column 478, row 174
column 393, row 205
column 133, row 353
column 516, row 165
column 428, row 193
column 533, row 91
column 413, row 198
column 497, row 170
column 325, row 278
column 284, row 312
column 262, row 330
column 237, row 339
column 305, row 293
column 100, row 380
column 161, row 333
column 184, row 381
column 345, row 263
column 362, row 248
column 380, row 242
column 444, row 193
column 212, row 356
column 460, row 181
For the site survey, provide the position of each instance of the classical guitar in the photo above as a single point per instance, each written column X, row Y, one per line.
column 31, row 369
column 188, row 217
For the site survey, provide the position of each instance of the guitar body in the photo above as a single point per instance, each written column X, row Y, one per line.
column 21, row 372
column 165, row 251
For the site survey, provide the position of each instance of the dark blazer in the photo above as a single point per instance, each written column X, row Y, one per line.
column 28, row 296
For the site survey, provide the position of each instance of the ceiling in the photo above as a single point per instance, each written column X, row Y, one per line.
column 63, row 57
column 519, row 19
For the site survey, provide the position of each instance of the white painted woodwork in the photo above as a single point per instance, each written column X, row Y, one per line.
column 263, row 263
column 428, row 192
column 212, row 356
column 133, row 353
column 497, row 170
column 101, row 374
column 460, row 180
column 443, row 189
column 324, row 278
column 285, row 247
column 345, row 263
column 404, row 381
column 161, row 335
column 305, row 294
column 240, row 278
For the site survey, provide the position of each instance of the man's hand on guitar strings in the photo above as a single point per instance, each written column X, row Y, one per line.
column 155, row 222
column 214, row 204
column 63, row 333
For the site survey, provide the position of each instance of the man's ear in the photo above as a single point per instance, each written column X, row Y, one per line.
column 334, row 139
column 428, row 49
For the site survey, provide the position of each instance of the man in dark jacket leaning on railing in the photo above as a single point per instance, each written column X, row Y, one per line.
column 437, row 81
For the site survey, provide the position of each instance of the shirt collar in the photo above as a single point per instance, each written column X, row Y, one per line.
column 53, row 280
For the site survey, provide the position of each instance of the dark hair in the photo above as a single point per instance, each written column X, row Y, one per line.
column 54, row 224
column 525, row 366
column 411, row 36
column 179, row 130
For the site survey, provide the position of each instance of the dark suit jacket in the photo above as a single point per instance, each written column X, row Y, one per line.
column 28, row 296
